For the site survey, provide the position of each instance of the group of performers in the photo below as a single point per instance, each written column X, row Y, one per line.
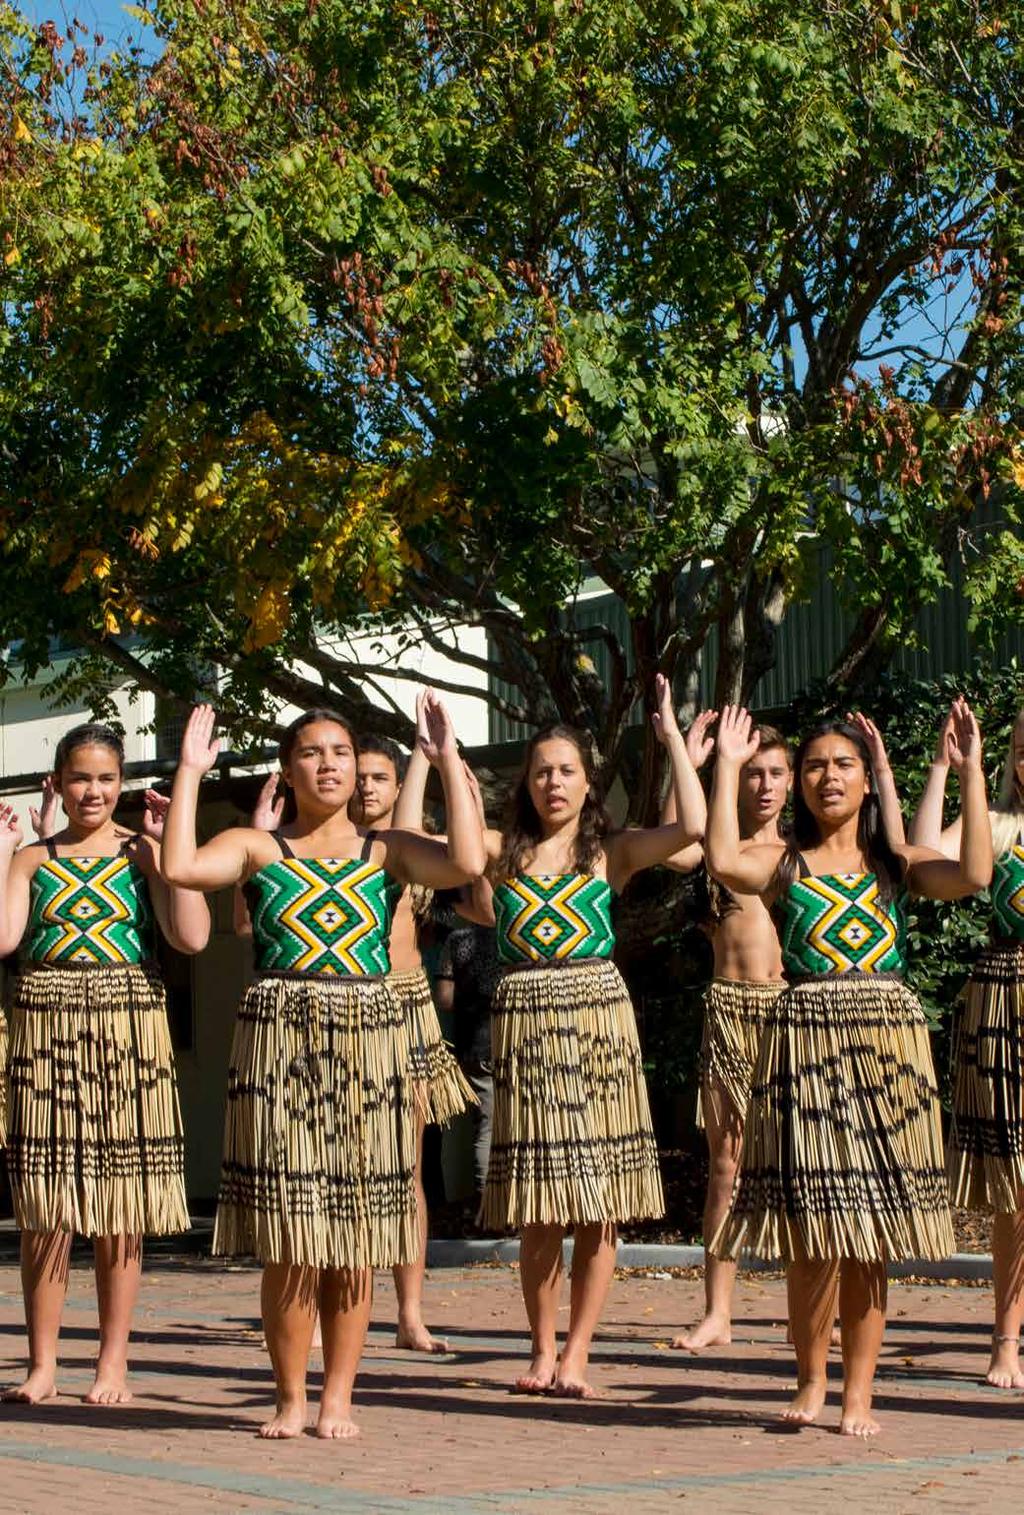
column 818, row 1091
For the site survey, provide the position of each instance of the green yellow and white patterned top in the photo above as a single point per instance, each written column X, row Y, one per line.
column 549, row 917
column 90, row 911
column 1008, row 893
column 321, row 915
column 835, row 923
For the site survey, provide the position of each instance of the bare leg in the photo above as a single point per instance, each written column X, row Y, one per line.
column 593, row 1263
column 724, row 1127
column 288, row 1299
column 118, row 1265
column 412, row 1333
column 863, row 1292
column 540, row 1276
column 811, row 1286
column 1004, row 1370
column 45, row 1257
column 345, row 1300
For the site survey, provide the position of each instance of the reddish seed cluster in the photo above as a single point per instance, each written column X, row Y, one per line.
column 552, row 349
column 361, row 287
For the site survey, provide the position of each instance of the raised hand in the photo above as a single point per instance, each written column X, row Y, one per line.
column 942, row 745
column 963, row 738
column 154, row 812
column 699, row 744
column 475, row 791
column 199, row 746
column 435, row 734
column 269, row 807
column 873, row 740
column 44, row 820
column 736, row 742
column 664, row 718
column 10, row 831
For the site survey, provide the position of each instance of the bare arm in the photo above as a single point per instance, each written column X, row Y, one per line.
column 266, row 816
column 926, row 828
column 408, row 811
column 700, row 747
column 44, row 819
column 461, row 856
column 885, row 784
column 630, row 851
column 14, row 883
column 747, row 868
column 224, row 860
column 943, row 878
column 182, row 914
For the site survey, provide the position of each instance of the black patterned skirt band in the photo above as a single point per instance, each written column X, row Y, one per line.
column 296, row 975
column 1007, row 943
column 551, row 962
column 147, row 964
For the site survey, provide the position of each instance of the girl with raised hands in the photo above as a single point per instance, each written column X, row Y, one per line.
column 985, row 1150
column 842, row 1167
column 319, row 1141
column 95, row 1139
column 572, row 1141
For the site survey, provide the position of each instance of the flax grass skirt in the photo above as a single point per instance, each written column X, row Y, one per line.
column 3, row 1078
column 842, row 1151
column 572, row 1137
column 734, row 1018
column 440, row 1091
column 985, row 1154
column 319, row 1137
column 94, row 1142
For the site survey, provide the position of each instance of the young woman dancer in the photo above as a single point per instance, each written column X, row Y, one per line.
column 572, row 1141
column 842, row 1162
column 985, row 1153
column 319, row 1141
column 95, row 1140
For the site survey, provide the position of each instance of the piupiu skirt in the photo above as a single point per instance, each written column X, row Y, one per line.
column 842, row 1149
column 319, row 1136
column 572, row 1140
column 439, row 1089
column 4, row 1048
column 734, row 1019
column 94, row 1139
column 985, row 1152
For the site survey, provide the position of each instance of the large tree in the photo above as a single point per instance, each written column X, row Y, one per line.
column 319, row 310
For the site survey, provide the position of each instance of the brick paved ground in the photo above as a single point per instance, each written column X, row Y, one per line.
column 673, row 1432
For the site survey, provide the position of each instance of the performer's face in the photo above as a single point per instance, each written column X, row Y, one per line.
column 322, row 767
column 376, row 787
column 90, row 785
column 765, row 783
column 558, row 782
column 833, row 778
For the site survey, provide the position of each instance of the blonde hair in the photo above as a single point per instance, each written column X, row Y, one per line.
column 1007, row 816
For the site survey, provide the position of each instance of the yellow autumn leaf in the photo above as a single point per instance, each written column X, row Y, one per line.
column 12, row 256
column 21, row 131
column 111, row 625
column 100, row 566
column 1018, row 473
column 269, row 617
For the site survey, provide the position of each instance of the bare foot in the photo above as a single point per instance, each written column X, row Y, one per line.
column 805, row 1406
column 418, row 1339
column 713, row 1331
column 290, row 1420
column 835, row 1338
column 110, row 1387
column 857, row 1419
column 1004, row 1370
column 572, row 1386
column 335, row 1423
column 38, row 1387
column 540, row 1375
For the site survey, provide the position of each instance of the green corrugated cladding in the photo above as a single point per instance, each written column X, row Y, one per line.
column 812, row 635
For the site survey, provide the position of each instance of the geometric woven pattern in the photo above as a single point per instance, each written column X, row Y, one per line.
column 548, row 917
column 835, row 923
column 322, row 915
column 89, row 910
column 1008, row 893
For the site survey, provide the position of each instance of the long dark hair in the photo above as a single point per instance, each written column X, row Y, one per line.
column 91, row 734
column 871, row 837
column 522, row 831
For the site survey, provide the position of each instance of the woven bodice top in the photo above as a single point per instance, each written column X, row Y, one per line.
column 835, row 923
column 91, row 911
column 549, row 917
column 1008, row 893
column 321, row 914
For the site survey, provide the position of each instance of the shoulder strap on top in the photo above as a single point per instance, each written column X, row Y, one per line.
column 51, row 848
column 284, row 844
column 368, row 841
column 802, row 870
